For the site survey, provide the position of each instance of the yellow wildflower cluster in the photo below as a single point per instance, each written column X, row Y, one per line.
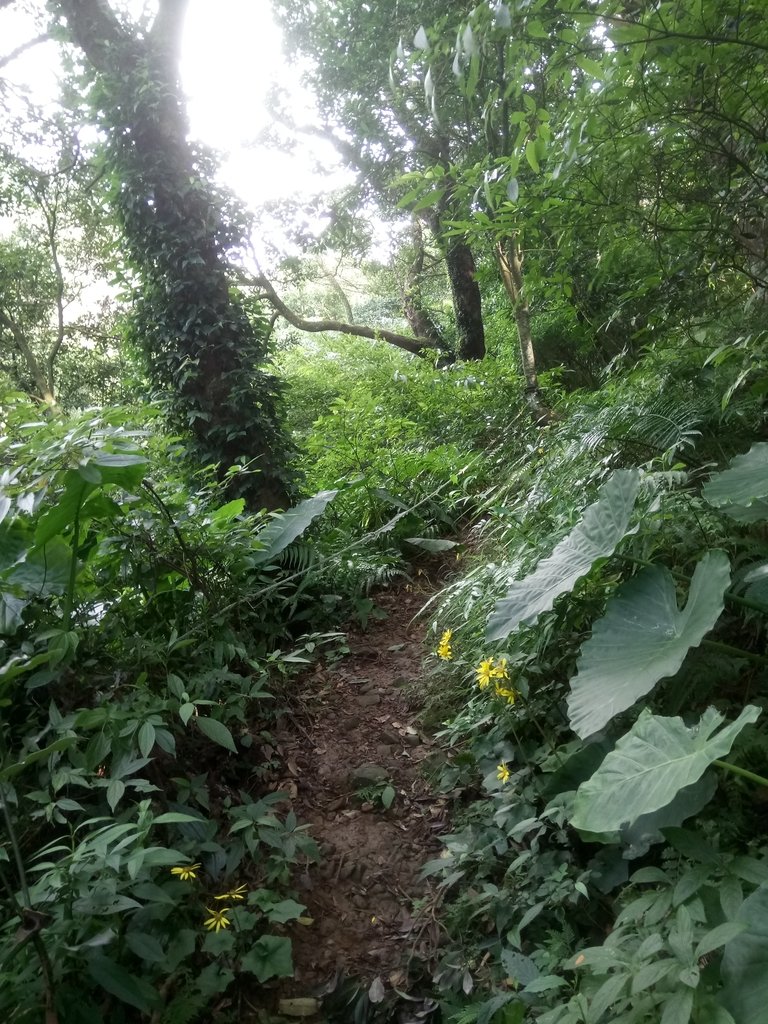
column 494, row 670
column 234, row 894
column 491, row 669
column 502, row 773
column 218, row 918
column 444, row 650
column 509, row 695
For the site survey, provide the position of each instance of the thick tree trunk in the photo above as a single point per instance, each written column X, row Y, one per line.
column 510, row 262
column 201, row 347
column 467, row 304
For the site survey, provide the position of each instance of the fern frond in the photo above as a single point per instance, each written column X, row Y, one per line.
column 298, row 557
column 184, row 1008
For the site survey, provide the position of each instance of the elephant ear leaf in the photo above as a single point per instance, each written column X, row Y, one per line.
column 285, row 527
column 596, row 536
column 741, row 490
column 744, row 959
column 650, row 765
column 642, row 638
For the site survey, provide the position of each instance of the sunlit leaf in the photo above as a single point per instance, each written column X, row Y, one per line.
column 741, row 490
column 420, row 40
column 468, row 41
column 433, row 545
column 501, row 16
column 429, row 88
column 531, row 156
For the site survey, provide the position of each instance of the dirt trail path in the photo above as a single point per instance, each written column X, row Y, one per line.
column 355, row 720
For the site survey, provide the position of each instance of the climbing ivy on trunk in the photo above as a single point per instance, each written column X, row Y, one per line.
column 204, row 347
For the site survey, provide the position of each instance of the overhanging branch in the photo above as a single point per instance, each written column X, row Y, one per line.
column 9, row 57
column 413, row 345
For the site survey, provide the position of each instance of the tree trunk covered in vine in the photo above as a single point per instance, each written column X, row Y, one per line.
column 203, row 348
column 467, row 305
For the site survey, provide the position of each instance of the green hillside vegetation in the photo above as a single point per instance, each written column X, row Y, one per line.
column 550, row 394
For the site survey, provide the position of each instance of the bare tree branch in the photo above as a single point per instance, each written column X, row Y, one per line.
column 413, row 345
column 9, row 57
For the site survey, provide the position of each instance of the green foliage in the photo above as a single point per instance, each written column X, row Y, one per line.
column 614, row 630
column 604, row 525
column 650, row 764
column 744, row 960
column 607, row 602
column 643, row 631
column 140, row 629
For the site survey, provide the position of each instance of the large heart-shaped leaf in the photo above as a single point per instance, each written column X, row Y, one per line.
column 602, row 526
column 637, row 838
column 642, row 638
column 651, row 764
column 742, row 490
column 744, row 963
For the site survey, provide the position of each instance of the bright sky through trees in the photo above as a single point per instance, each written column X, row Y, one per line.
column 232, row 55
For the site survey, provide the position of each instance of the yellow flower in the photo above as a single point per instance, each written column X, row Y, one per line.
column 234, row 894
column 509, row 695
column 500, row 669
column 484, row 673
column 444, row 647
column 186, row 871
column 502, row 773
column 217, row 920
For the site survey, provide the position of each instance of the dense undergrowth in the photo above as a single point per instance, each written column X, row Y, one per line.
column 151, row 624
column 634, row 892
column 614, row 876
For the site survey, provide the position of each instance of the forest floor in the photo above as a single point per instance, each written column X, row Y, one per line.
column 350, row 743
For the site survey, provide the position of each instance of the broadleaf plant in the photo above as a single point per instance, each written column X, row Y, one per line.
column 743, row 969
column 642, row 638
column 287, row 526
column 604, row 524
column 741, row 490
column 651, row 764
